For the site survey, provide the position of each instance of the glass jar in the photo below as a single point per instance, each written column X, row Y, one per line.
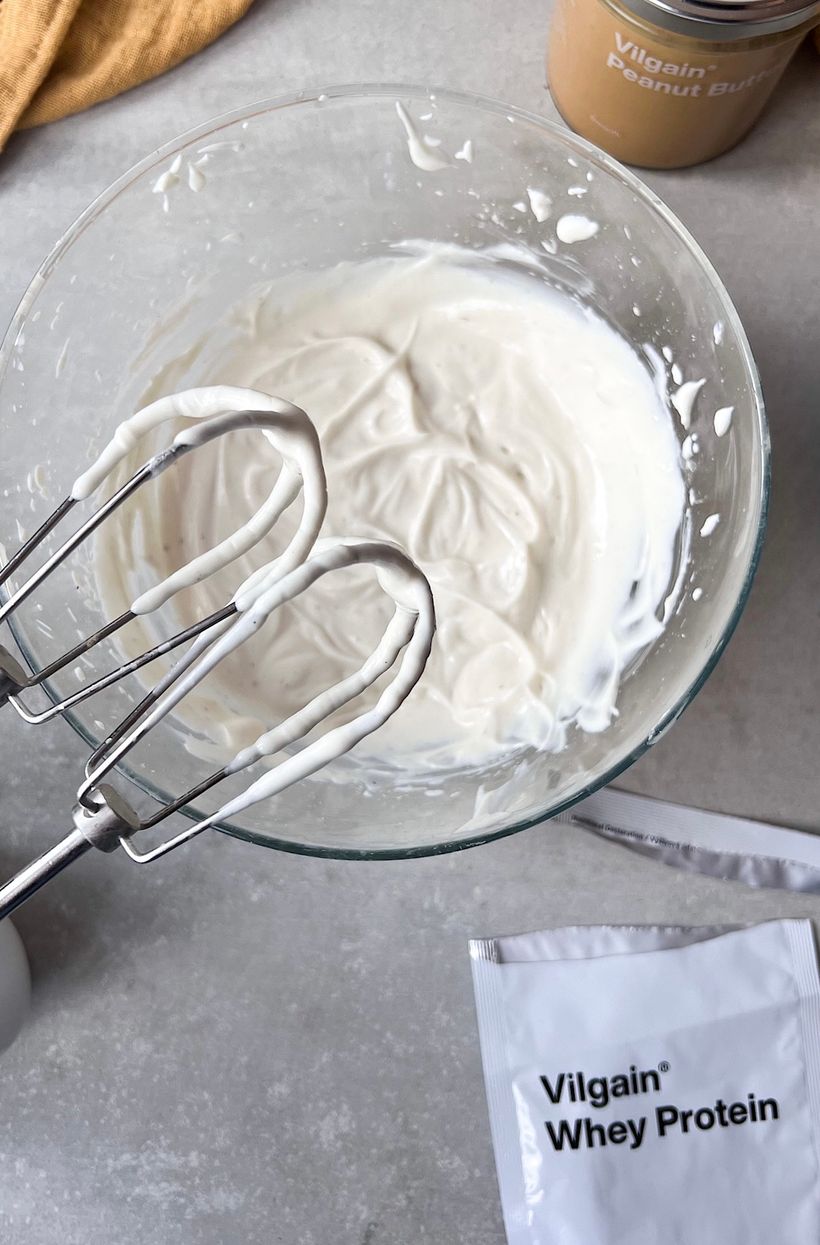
column 667, row 83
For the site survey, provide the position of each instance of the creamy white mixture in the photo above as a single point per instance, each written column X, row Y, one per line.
column 403, row 649
column 507, row 438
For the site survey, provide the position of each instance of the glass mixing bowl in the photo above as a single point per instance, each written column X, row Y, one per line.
column 305, row 181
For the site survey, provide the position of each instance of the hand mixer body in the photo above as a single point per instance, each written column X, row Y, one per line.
column 102, row 818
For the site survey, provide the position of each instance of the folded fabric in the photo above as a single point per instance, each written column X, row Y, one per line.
column 60, row 56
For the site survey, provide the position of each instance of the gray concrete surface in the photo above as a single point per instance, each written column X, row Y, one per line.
column 240, row 1046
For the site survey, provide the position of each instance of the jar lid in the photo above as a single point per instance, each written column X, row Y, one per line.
column 725, row 19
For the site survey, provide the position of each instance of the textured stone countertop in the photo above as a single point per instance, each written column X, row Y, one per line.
column 246, row 1047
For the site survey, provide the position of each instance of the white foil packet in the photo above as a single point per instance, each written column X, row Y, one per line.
column 755, row 852
column 654, row 1086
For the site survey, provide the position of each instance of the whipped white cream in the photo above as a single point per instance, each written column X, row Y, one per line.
column 284, row 425
column 220, row 411
column 505, row 436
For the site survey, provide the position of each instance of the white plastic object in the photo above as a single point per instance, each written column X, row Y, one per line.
column 15, row 984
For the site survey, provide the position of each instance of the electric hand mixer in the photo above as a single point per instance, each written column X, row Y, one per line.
column 103, row 819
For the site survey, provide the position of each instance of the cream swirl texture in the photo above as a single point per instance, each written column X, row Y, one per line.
column 509, row 439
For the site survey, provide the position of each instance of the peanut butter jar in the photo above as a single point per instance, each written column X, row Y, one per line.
column 667, row 83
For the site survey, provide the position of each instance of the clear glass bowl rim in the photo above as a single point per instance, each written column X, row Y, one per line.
column 609, row 166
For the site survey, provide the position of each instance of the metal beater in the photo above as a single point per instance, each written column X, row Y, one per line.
column 103, row 819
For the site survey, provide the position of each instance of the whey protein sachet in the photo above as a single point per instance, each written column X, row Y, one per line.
column 654, row 1086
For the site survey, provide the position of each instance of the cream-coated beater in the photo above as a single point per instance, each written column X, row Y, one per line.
column 103, row 818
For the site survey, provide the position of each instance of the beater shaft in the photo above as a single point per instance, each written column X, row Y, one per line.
column 101, row 828
column 34, row 875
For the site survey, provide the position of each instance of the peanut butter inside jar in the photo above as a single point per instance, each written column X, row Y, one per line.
column 664, row 87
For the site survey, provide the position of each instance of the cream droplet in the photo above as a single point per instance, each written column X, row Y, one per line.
column 196, row 178
column 540, row 204
column 683, row 399
column 723, row 420
column 419, row 148
column 572, row 228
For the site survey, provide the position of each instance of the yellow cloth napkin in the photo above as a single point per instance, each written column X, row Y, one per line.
column 60, row 56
